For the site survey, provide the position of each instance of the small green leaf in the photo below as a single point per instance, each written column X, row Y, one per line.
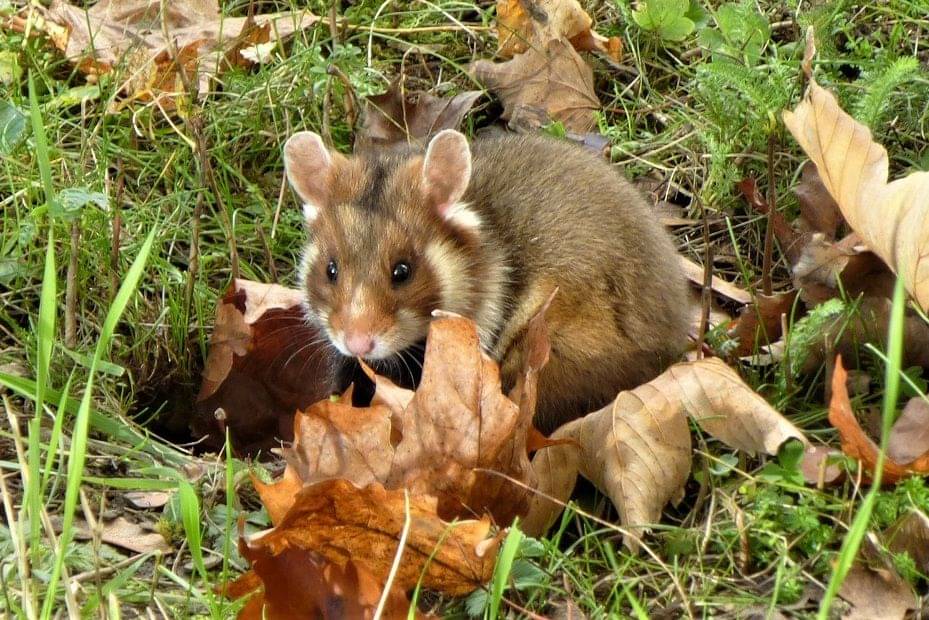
column 667, row 18
column 71, row 202
column 10, row 71
column 12, row 127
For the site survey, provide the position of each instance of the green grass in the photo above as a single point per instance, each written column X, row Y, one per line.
column 745, row 538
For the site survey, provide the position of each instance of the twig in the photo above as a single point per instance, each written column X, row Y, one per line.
column 706, row 290
column 71, row 287
column 766, row 265
column 268, row 255
column 349, row 100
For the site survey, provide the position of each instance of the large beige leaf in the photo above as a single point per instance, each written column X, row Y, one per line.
column 892, row 218
column 637, row 450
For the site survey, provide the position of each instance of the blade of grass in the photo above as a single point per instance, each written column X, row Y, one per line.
column 859, row 526
column 190, row 517
column 82, row 420
column 502, row 570
column 45, row 332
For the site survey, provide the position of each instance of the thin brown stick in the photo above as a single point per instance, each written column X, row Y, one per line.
column 71, row 287
column 706, row 290
column 268, row 255
column 766, row 264
column 349, row 101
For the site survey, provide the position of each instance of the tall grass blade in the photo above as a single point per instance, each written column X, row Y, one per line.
column 859, row 526
column 82, row 420
column 503, row 569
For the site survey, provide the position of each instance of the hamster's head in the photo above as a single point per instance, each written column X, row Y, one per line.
column 389, row 241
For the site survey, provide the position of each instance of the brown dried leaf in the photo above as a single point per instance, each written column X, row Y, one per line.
column 856, row 443
column 891, row 218
column 459, row 425
column 522, row 24
column 130, row 35
column 818, row 210
column 909, row 437
column 278, row 497
column 298, row 583
column 816, row 468
column 761, row 322
column 398, row 116
column 874, row 588
column 341, row 522
column 638, row 450
column 910, row 534
column 694, row 273
column 548, row 82
column 262, row 367
column 121, row 532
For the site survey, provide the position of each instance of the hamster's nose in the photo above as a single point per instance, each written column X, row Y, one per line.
column 359, row 343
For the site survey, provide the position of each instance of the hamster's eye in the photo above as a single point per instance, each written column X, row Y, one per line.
column 401, row 273
column 332, row 271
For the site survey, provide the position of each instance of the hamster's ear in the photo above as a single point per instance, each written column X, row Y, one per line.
column 309, row 166
column 446, row 170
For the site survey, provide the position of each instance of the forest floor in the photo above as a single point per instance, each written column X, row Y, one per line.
column 687, row 111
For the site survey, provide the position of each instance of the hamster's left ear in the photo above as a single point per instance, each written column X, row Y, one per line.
column 446, row 170
column 310, row 169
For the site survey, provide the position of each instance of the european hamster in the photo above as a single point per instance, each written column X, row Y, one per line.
column 488, row 230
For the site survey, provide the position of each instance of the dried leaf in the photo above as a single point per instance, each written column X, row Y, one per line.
column 121, row 532
column 341, row 522
column 278, row 497
column 874, row 588
column 891, row 218
column 910, row 534
column 147, row 499
column 140, row 38
column 818, row 210
column 761, row 322
column 909, row 437
column 857, row 445
column 694, row 273
column 400, row 117
column 522, row 24
column 297, row 583
column 264, row 364
column 638, row 450
column 552, row 80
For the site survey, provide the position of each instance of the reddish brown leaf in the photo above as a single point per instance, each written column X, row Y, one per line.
column 398, row 116
column 262, row 367
column 760, row 323
column 856, row 444
column 278, row 497
column 790, row 240
column 546, row 82
column 297, row 583
column 818, row 210
column 341, row 522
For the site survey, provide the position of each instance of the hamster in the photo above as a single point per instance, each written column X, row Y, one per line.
column 488, row 231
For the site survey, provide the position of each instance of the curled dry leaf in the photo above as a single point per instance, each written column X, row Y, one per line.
column 398, row 116
column 551, row 81
column 694, row 273
column 522, row 24
column 298, row 583
column 140, row 38
column 341, row 522
column 891, row 217
column 263, row 365
column 638, row 450
column 857, row 444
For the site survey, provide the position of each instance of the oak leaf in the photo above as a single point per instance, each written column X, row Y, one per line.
column 265, row 362
column 857, row 444
column 550, row 82
column 522, row 24
column 762, row 321
column 638, row 449
column 892, row 218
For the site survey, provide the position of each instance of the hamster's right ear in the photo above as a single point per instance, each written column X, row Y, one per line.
column 309, row 166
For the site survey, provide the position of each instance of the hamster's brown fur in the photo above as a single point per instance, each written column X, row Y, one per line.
column 489, row 234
